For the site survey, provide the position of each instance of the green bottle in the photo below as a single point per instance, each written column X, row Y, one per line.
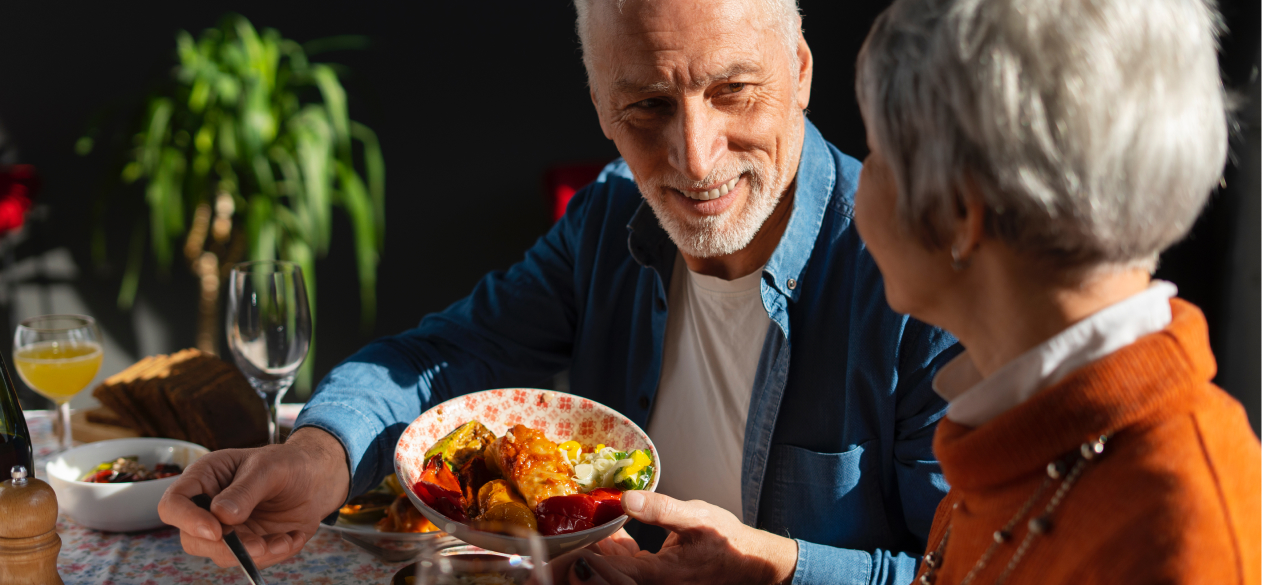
column 15, row 438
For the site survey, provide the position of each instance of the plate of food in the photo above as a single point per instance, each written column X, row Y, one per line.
column 385, row 523
column 486, row 464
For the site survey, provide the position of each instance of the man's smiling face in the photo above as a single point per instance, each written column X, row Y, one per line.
column 704, row 101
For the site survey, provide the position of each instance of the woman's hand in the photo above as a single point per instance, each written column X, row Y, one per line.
column 707, row 544
column 274, row 497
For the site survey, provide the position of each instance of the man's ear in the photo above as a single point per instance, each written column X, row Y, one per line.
column 604, row 126
column 806, row 68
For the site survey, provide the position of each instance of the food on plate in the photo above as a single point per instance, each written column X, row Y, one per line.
column 129, row 469
column 533, row 464
column 603, row 467
column 439, row 488
column 499, row 502
column 462, row 444
column 388, row 507
column 524, row 479
column 402, row 516
column 368, row 507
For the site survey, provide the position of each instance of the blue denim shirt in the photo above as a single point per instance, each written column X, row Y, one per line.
column 838, row 445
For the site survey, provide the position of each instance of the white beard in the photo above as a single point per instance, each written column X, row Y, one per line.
column 728, row 232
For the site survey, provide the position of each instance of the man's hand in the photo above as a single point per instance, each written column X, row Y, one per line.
column 273, row 496
column 707, row 544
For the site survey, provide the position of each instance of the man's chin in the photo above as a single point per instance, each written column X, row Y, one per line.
column 708, row 237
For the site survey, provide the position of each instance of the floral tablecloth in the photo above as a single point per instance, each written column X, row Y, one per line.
column 156, row 557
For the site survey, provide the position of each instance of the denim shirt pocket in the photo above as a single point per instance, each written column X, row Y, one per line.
column 826, row 498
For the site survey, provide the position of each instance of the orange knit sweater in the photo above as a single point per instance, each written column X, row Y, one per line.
column 1176, row 496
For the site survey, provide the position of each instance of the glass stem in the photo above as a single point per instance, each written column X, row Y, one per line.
column 273, row 419
column 63, row 413
column 273, row 415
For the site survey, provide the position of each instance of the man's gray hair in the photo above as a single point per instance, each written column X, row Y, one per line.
column 1095, row 129
column 783, row 12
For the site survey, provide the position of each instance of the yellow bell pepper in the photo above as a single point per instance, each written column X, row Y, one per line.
column 572, row 449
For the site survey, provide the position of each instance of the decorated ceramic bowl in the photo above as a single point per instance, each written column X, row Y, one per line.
column 560, row 416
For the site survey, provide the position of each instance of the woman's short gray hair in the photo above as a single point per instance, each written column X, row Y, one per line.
column 1095, row 129
column 784, row 12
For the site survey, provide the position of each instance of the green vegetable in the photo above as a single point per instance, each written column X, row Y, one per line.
column 461, row 445
column 637, row 475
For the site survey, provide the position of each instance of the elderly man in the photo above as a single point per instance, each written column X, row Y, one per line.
column 710, row 285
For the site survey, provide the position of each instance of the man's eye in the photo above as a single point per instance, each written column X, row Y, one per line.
column 735, row 87
column 649, row 104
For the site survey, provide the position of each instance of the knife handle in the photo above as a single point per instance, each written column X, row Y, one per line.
column 202, row 501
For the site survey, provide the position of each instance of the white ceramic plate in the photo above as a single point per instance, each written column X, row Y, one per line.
column 116, row 507
column 560, row 416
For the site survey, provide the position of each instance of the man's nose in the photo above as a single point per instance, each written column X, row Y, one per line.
column 698, row 139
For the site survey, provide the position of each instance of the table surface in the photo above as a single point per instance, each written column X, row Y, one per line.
column 156, row 557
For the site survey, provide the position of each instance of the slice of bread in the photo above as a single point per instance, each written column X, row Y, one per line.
column 189, row 395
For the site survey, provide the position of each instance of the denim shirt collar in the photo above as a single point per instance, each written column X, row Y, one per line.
column 651, row 247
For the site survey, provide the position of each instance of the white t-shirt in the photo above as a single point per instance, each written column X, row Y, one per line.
column 714, row 336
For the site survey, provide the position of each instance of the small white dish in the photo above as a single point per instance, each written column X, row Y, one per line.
column 116, row 507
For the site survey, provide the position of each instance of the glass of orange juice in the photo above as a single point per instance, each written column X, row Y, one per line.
column 58, row 356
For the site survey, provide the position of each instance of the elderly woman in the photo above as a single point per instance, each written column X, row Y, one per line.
column 1029, row 161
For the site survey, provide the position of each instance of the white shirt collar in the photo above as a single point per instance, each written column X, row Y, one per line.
column 974, row 400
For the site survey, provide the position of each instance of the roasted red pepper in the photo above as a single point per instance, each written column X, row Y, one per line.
column 440, row 490
column 566, row 514
column 608, row 504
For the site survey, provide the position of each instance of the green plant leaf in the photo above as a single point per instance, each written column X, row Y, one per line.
column 263, row 172
column 375, row 164
column 335, row 104
column 291, row 185
column 228, row 139
column 155, row 134
column 131, row 274
column 359, row 207
column 313, row 140
column 199, row 95
column 298, row 252
column 260, row 229
column 258, row 125
column 297, row 56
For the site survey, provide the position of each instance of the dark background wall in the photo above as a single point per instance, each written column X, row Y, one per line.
column 472, row 102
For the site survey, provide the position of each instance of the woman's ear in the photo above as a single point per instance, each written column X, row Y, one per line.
column 970, row 224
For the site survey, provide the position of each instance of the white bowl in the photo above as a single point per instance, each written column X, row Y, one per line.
column 560, row 416
column 116, row 507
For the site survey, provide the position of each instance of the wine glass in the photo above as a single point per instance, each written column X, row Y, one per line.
column 269, row 328
column 454, row 565
column 58, row 356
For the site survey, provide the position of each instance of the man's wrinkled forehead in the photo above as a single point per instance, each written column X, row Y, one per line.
column 644, row 43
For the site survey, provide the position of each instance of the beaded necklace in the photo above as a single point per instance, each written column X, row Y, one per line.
column 1037, row 526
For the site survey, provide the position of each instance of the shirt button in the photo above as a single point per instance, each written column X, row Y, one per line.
column 644, row 402
column 792, row 284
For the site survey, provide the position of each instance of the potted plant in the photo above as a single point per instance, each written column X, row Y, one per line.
column 245, row 153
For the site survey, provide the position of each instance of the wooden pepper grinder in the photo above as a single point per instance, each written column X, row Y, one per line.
column 28, row 532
